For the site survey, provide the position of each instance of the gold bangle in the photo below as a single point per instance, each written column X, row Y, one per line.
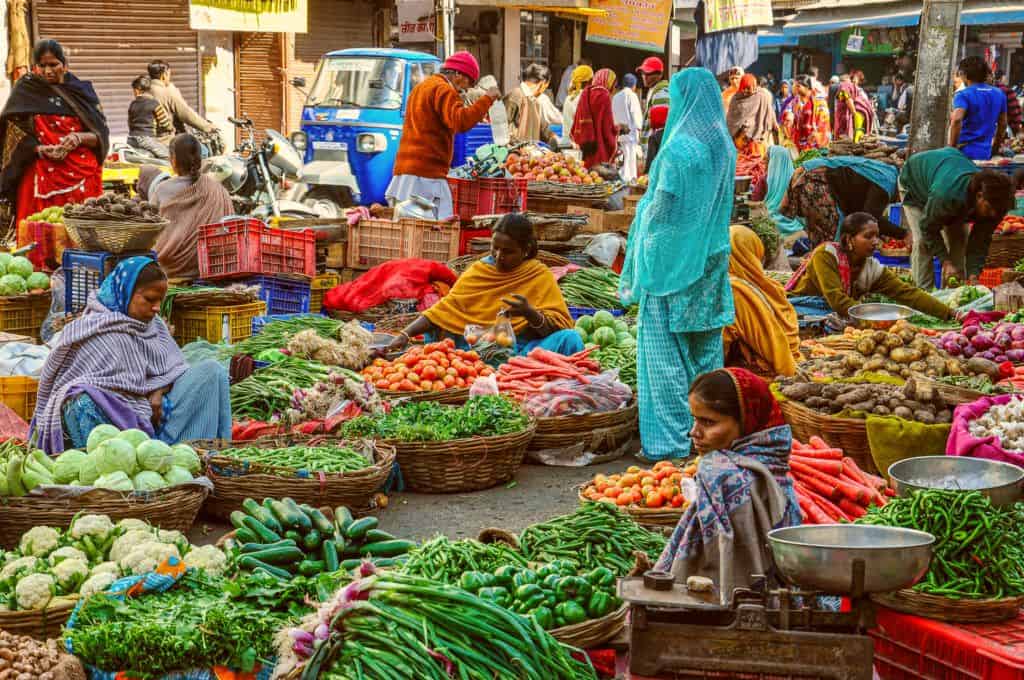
column 540, row 325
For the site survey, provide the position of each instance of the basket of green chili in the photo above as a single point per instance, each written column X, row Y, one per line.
column 977, row 570
column 313, row 471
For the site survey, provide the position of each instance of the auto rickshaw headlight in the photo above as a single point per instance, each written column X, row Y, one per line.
column 299, row 141
column 371, row 142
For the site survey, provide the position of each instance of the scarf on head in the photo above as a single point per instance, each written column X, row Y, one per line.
column 580, row 75
column 205, row 202
column 751, row 112
column 117, row 290
column 780, row 172
column 604, row 78
column 758, row 408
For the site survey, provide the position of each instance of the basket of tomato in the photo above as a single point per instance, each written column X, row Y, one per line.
column 653, row 497
column 434, row 372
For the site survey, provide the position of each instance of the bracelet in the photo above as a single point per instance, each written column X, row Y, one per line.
column 405, row 335
column 540, row 325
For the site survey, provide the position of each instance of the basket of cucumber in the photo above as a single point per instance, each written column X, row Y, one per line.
column 286, row 539
column 315, row 471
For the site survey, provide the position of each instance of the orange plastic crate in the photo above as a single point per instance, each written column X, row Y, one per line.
column 18, row 393
column 318, row 287
column 208, row 323
column 24, row 314
column 374, row 241
column 429, row 240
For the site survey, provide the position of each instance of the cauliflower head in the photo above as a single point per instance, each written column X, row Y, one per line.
column 35, row 591
column 39, row 541
column 131, row 523
column 96, row 526
column 97, row 583
column 66, row 553
column 70, row 574
column 147, row 557
column 128, row 541
column 209, row 558
column 106, row 568
column 175, row 538
column 27, row 563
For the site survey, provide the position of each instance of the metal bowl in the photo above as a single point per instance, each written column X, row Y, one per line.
column 879, row 316
column 821, row 557
column 1002, row 482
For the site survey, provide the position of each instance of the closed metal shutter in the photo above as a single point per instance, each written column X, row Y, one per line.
column 259, row 63
column 110, row 43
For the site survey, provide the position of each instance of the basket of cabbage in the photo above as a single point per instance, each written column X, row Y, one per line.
column 17, row 277
column 120, row 474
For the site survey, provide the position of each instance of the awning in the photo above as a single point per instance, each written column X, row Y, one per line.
column 980, row 13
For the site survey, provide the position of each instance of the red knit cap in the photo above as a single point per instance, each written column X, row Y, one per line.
column 465, row 63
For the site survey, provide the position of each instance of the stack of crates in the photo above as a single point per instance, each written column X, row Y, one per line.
column 283, row 294
column 319, row 286
column 85, row 271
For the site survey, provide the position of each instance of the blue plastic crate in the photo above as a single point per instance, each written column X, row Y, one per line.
column 282, row 295
column 577, row 312
column 896, row 213
column 904, row 263
column 84, row 271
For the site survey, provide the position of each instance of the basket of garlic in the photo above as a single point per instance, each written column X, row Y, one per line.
column 991, row 428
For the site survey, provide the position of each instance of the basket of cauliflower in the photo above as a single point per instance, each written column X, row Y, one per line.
column 43, row 578
column 120, row 474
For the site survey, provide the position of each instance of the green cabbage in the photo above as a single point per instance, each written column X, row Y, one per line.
column 185, row 456
column 5, row 259
column 155, row 455
column 147, row 480
column 87, row 471
column 118, row 481
column 133, row 437
column 21, row 266
column 65, row 469
column 177, row 475
column 604, row 319
column 115, row 455
column 100, row 434
column 37, row 280
column 12, row 284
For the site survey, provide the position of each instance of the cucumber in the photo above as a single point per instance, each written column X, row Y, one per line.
column 257, row 547
column 358, row 528
column 320, row 523
column 297, row 518
column 342, row 518
column 282, row 513
column 350, row 564
column 376, row 535
column 281, row 555
column 262, row 514
column 293, row 535
column 237, row 519
column 243, row 535
column 387, row 561
column 265, row 534
column 312, row 540
column 311, row 567
column 330, row 554
column 250, row 563
column 387, row 548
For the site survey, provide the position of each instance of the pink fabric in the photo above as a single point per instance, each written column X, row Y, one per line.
column 962, row 443
column 978, row 318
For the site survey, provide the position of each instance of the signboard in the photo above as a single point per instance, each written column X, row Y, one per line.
column 638, row 24
column 249, row 16
column 416, row 21
column 867, row 42
column 727, row 15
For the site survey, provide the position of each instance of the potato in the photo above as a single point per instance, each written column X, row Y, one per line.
column 882, row 410
column 866, row 346
column 874, row 363
column 903, row 412
column 926, row 417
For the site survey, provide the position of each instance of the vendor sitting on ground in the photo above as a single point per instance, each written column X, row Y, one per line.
column 837, row 275
column 511, row 281
column 743, row 491
column 118, row 364
column 765, row 336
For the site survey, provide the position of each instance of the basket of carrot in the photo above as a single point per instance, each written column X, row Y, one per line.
column 831, row 487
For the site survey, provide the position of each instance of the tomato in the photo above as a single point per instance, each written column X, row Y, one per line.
column 394, row 386
column 678, row 500
column 449, row 343
column 382, row 384
column 428, row 372
column 612, row 491
column 406, row 386
column 459, row 382
column 444, row 363
column 449, row 381
column 633, row 468
column 471, row 354
column 452, row 372
column 472, row 372
column 413, row 378
column 622, row 500
column 479, row 366
column 472, row 339
column 629, row 479
column 439, row 386
column 487, row 370
column 655, row 499
column 460, row 368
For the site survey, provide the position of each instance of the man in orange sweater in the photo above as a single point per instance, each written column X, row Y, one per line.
column 434, row 114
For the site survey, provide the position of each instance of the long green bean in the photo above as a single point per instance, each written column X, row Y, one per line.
column 445, row 561
column 269, row 390
column 312, row 458
column 276, row 334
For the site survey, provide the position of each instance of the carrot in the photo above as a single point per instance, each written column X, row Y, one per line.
column 818, row 443
column 812, row 513
column 855, row 492
column 807, row 471
column 890, row 492
column 820, row 487
column 851, row 508
column 823, row 454
column 850, row 468
column 544, row 355
column 833, row 468
column 831, row 509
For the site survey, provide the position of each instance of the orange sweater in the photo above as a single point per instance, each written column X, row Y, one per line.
column 434, row 114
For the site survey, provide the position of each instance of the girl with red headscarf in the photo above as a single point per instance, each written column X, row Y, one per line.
column 743, row 490
column 594, row 128
column 751, row 118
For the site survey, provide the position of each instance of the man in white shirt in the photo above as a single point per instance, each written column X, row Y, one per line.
column 627, row 112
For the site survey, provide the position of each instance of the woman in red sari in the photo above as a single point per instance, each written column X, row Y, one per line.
column 594, row 128
column 54, row 136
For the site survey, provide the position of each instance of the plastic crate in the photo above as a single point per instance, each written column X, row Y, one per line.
column 991, row 277
column 18, row 393
column 283, row 295
column 208, row 323
column 467, row 235
column 430, row 240
column 318, row 287
column 896, row 213
column 24, row 314
column 466, row 143
column 374, row 241
column 472, row 197
column 903, row 262
column 247, row 247
column 84, row 272
column 911, row 647
column 51, row 241
column 577, row 312
column 258, row 322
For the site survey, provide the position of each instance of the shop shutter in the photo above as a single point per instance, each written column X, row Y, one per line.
column 259, row 59
column 110, row 43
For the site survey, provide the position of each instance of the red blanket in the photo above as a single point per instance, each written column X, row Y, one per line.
column 394, row 280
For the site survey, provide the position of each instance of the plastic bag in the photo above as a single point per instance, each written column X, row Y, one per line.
column 500, row 334
column 604, row 248
column 570, row 397
column 485, row 386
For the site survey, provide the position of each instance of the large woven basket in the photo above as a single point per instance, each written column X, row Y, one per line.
column 1005, row 251
column 42, row 624
column 456, row 396
column 114, row 237
column 235, row 480
column 463, row 262
column 394, row 324
column 593, row 632
column 598, row 433
column 849, row 434
column 950, row 609
column 468, row 464
column 174, row 507
column 951, row 394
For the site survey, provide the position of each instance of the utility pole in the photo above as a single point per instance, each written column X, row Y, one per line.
column 933, row 82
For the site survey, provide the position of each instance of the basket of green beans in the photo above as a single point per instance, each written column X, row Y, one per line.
column 316, row 472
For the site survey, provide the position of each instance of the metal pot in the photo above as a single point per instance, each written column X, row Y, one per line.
column 879, row 316
column 1003, row 483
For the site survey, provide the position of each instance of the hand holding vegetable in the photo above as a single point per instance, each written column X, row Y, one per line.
column 518, row 305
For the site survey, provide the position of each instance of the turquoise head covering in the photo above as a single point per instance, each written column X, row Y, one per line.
column 117, row 289
column 876, row 172
column 780, row 172
column 682, row 221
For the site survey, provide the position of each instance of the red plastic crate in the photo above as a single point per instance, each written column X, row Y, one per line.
column 248, row 247
column 467, row 235
column 472, row 197
column 908, row 646
column 991, row 277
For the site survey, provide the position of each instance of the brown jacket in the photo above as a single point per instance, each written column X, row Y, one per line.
column 170, row 97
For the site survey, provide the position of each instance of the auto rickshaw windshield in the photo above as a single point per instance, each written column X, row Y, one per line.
column 358, row 82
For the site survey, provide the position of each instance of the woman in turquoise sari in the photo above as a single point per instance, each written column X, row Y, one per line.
column 677, row 261
column 780, row 172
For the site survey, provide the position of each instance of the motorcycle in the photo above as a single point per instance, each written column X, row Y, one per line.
column 121, row 168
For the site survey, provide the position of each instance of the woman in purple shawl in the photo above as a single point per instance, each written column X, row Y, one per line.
column 118, row 364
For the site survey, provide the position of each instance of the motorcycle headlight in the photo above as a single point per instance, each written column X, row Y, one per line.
column 299, row 141
column 371, row 142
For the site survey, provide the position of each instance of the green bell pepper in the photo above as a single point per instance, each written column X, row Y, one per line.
column 550, row 581
column 545, row 571
column 503, row 575
column 544, row 617
column 524, row 576
column 601, row 577
column 565, row 567
column 601, row 604
column 529, row 596
column 496, row 594
column 573, row 588
column 475, row 580
column 571, row 612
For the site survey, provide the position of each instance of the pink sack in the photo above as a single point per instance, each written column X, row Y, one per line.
column 962, row 443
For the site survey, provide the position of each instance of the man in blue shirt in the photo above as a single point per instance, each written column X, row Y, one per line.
column 978, row 123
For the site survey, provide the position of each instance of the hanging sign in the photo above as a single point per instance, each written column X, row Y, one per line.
column 248, row 16
column 638, row 24
column 416, row 21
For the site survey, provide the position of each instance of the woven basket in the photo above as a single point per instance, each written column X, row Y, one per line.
column 556, row 230
column 234, row 480
column 394, row 324
column 114, row 237
column 597, row 432
column 849, row 434
column 1005, row 251
column 951, row 394
column 42, row 624
column 894, row 252
column 950, row 609
column 646, row 517
column 174, row 507
column 463, row 262
column 456, row 397
column 593, row 632
column 495, row 535
column 468, row 464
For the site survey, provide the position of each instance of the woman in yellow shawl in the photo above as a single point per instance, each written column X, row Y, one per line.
column 509, row 282
column 581, row 77
column 764, row 337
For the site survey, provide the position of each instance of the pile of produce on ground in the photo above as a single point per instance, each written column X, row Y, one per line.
column 391, row 625
column 1003, row 421
column 524, row 377
column 114, row 207
column 350, row 348
column 830, row 486
column 868, row 147
column 485, row 416
column 445, row 561
column 276, row 335
column 899, row 352
column 615, row 342
column 51, row 564
column 595, row 287
column 978, row 550
column 554, row 595
column 119, row 460
column 769, row 234
column 914, row 400
column 595, row 535
column 664, row 485
column 961, row 297
column 323, row 458
column 17, row 276
column 1002, row 342
column 341, row 393
column 434, row 367
column 285, row 539
column 25, row 658
column 268, row 392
